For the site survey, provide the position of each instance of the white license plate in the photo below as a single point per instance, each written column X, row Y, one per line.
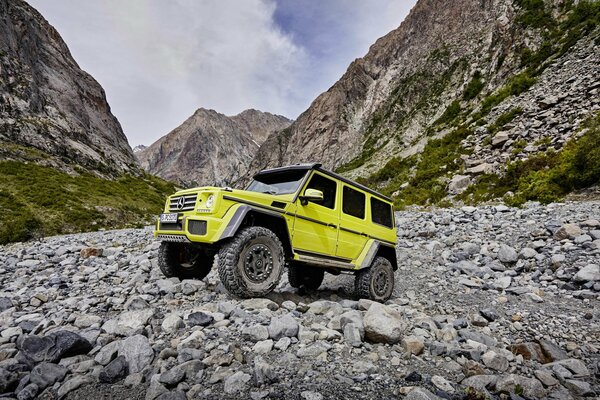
column 169, row 218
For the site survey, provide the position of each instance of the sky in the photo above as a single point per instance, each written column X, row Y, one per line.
column 159, row 61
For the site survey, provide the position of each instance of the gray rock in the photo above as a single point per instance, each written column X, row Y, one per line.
column 260, row 304
column 530, row 387
column 579, row 388
column 137, row 351
column 309, row 395
column 47, row 374
column 567, row 231
column 589, row 273
column 353, row 317
column 325, row 307
column 172, row 376
column 263, row 372
column 236, row 383
column 72, row 384
column 5, row 303
column 129, row 322
column 199, row 319
column 507, row 254
column 28, row 392
column 174, row 395
column 263, row 347
column 442, row 384
column 420, row 393
column 285, row 326
column 256, row 333
column 495, row 361
column 172, row 323
column 115, row 371
column 575, row 366
column 383, row 324
column 8, row 380
column 53, row 347
column 352, row 335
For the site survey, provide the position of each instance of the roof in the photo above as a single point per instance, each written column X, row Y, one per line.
column 317, row 167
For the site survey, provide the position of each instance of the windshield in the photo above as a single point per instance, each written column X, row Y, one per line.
column 281, row 182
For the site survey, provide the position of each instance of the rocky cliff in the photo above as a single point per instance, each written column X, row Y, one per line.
column 210, row 148
column 49, row 103
column 451, row 95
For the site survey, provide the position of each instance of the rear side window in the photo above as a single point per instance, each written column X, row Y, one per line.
column 381, row 213
column 327, row 186
column 353, row 203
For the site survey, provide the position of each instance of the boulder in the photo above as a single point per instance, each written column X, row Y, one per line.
column 199, row 319
column 458, row 184
column 285, row 326
column 507, row 254
column 137, row 352
column 589, row 273
column 53, row 347
column 530, row 387
column 567, row 231
column 236, row 383
column 47, row 374
column 129, row 322
column 116, row 370
column 383, row 324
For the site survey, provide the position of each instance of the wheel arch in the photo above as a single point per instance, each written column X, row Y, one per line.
column 247, row 215
column 381, row 249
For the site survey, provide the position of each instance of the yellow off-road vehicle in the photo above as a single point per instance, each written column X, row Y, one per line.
column 301, row 216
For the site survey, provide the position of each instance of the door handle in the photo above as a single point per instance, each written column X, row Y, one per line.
column 364, row 234
column 332, row 226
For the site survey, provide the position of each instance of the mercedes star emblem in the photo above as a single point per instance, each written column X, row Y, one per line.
column 180, row 203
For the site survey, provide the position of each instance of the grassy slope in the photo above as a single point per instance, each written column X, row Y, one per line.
column 421, row 179
column 38, row 201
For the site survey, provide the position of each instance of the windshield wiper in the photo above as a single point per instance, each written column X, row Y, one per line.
column 269, row 192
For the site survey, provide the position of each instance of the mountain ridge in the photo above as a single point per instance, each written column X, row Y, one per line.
column 210, row 147
column 463, row 65
column 49, row 103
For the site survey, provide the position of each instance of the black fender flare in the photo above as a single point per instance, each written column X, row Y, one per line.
column 243, row 211
column 380, row 249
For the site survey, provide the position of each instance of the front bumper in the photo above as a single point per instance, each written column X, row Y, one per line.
column 191, row 227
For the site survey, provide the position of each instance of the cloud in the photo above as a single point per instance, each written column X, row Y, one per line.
column 161, row 60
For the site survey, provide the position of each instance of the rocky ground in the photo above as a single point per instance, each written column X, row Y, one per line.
column 489, row 301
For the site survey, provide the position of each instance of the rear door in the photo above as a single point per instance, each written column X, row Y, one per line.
column 352, row 237
column 316, row 225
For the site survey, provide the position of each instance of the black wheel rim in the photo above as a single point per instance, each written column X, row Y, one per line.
column 258, row 263
column 381, row 282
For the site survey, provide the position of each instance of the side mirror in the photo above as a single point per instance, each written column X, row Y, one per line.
column 313, row 195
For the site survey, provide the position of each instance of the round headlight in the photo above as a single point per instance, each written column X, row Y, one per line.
column 210, row 201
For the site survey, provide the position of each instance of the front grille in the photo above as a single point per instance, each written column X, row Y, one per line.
column 171, row 226
column 197, row 227
column 172, row 238
column 183, row 203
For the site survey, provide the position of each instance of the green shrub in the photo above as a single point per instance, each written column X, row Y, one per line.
column 546, row 177
column 37, row 201
column 449, row 114
column 474, row 87
column 504, row 119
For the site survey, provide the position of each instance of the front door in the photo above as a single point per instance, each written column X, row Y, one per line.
column 316, row 225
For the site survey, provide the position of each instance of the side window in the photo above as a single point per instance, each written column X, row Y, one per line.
column 381, row 213
column 327, row 186
column 353, row 203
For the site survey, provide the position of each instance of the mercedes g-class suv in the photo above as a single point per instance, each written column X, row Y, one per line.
column 301, row 216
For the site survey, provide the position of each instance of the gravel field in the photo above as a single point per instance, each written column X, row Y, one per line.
column 489, row 301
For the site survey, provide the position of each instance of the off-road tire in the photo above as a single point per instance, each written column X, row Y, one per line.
column 376, row 282
column 305, row 276
column 239, row 270
column 172, row 257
